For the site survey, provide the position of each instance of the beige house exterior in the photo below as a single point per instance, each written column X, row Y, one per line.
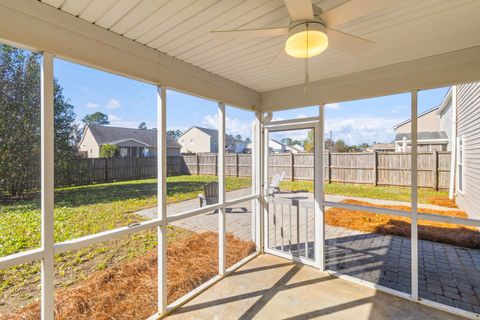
column 431, row 136
column 131, row 142
column 203, row 140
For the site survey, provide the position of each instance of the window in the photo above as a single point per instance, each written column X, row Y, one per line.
column 460, row 164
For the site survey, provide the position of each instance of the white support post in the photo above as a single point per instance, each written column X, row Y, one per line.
column 264, row 220
column 47, row 185
column 162, row 197
column 257, row 181
column 222, row 219
column 319, row 192
column 414, row 195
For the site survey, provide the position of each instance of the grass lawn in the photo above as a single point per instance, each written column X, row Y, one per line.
column 85, row 210
column 367, row 191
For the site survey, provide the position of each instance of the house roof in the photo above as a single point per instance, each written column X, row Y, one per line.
column 438, row 135
column 420, row 115
column 383, row 146
column 211, row 132
column 114, row 135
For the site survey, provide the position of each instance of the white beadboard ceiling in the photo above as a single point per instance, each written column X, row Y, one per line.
column 181, row 28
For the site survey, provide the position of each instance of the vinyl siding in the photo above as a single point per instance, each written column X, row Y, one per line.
column 89, row 145
column 429, row 122
column 468, row 127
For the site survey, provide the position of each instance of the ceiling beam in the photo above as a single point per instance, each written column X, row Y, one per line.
column 425, row 73
column 41, row 27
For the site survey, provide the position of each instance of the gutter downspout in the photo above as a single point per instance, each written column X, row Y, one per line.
column 453, row 155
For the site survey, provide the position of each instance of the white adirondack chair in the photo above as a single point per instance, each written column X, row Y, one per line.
column 275, row 183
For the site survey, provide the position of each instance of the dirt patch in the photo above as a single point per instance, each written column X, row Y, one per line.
column 448, row 233
column 442, row 201
column 128, row 290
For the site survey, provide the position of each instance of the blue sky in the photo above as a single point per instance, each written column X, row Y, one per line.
column 128, row 103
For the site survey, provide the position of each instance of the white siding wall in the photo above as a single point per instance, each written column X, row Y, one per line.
column 429, row 122
column 90, row 146
column 195, row 141
column 468, row 127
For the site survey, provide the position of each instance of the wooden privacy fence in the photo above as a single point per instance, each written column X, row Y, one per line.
column 377, row 168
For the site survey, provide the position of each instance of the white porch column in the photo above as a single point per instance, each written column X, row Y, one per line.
column 318, row 190
column 414, row 195
column 265, row 136
column 257, row 179
column 47, row 185
column 162, row 196
column 222, row 223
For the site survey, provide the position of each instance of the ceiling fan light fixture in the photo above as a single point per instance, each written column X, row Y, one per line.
column 306, row 40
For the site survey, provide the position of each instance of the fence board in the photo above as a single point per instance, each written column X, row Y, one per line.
column 392, row 168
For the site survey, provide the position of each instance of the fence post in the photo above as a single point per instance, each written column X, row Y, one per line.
column 375, row 168
column 197, row 158
column 292, row 166
column 435, row 169
column 106, row 169
column 237, row 164
column 329, row 170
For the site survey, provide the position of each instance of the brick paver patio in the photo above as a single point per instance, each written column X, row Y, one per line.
column 447, row 274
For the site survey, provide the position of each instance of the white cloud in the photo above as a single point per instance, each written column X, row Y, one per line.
column 112, row 104
column 234, row 126
column 362, row 129
column 119, row 122
column 92, row 105
column 333, row 106
column 401, row 109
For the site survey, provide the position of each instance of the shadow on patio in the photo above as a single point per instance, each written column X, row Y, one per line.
column 269, row 287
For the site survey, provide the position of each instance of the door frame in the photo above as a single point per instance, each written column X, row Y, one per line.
column 315, row 123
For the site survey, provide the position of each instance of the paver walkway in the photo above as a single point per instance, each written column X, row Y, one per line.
column 447, row 274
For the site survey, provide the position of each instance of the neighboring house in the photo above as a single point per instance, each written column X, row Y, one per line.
column 240, row 146
column 430, row 137
column 294, row 148
column 278, row 147
column 382, row 147
column 204, row 140
column 461, row 107
column 131, row 142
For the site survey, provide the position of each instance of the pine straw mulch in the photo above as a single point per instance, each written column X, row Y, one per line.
column 448, row 233
column 129, row 290
column 442, row 201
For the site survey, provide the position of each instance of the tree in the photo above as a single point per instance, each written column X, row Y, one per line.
column 20, row 122
column 287, row 141
column 142, row 126
column 174, row 134
column 341, row 146
column 247, row 140
column 238, row 137
column 108, row 151
column 329, row 144
column 97, row 119
column 309, row 142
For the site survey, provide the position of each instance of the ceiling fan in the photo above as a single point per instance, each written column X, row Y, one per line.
column 311, row 29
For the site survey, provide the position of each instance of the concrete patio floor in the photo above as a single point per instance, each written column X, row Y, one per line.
column 269, row 287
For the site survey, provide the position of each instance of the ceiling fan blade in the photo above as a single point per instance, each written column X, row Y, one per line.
column 347, row 42
column 299, row 9
column 354, row 9
column 281, row 58
column 327, row 5
column 249, row 33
